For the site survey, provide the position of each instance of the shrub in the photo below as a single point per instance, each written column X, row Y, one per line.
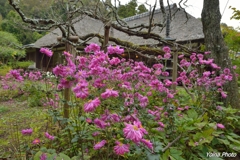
column 4, row 69
column 22, row 65
column 117, row 109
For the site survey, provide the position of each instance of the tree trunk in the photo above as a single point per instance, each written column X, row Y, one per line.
column 214, row 42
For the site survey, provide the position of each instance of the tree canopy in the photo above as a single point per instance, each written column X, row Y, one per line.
column 10, row 47
column 236, row 13
column 131, row 9
column 12, row 24
column 231, row 37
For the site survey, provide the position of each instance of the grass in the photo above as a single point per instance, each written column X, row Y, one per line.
column 14, row 116
column 4, row 109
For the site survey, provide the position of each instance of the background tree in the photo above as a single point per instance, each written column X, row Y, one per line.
column 4, row 8
column 236, row 13
column 12, row 24
column 10, row 48
column 232, row 38
column 130, row 9
column 214, row 42
column 141, row 9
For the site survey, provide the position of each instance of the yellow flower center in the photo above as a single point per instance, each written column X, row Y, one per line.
column 135, row 128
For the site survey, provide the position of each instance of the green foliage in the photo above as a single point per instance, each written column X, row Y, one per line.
column 4, row 69
column 231, row 37
column 142, row 8
column 3, row 109
column 4, row 8
column 13, row 24
column 34, row 93
column 187, row 125
column 21, row 64
column 131, row 9
column 236, row 62
column 0, row 21
column 19, row 117
column 50, row 154
column 236, row 13
column 10, row 48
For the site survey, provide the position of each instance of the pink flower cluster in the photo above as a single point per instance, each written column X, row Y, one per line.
column 27, row 131
column 114, row 49
column 46, row 51
column 166, row 49
column 109, row 93
column 92, row 48
column 135, row 85
column 36, row 141
column 221, row 126
column 134, row 131
column 91, row 105
column 48, row 136
column 53, row 102
column 208, row 79
column 16, row 74
column 120, row 148
column 100, row 144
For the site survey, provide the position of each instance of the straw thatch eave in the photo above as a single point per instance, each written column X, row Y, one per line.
column 183, row 28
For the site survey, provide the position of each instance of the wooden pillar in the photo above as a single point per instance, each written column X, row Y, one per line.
column 106, row 36
column 174, row 74
column 67, row 91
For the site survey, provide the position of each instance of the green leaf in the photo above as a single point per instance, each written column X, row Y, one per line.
column 165, row 155
column 197, row 136
column 234, row 135
column 215, row 141
column 176, row 154
column 233, row 140
column 75, row 139
column 192, row 114
column 200, row 125
column 217, row 133
column 63, row 156
column 208, row 132
column 235, row 147
column 158, row 147
column 37, row 155
column 191, row 143
column 153, row 156
column 226, row 142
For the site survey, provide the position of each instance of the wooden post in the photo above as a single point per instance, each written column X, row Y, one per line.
column 174, row 75
column 67, row 91
column 106, row 36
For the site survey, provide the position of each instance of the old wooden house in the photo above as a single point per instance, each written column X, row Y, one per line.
column 184, row 28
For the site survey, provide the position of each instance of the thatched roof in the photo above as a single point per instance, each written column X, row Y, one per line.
column 183, row 28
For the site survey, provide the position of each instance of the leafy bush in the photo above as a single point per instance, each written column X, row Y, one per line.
column 34, row 93
column 4, row 69
column 236, row 62
column 21, row 64
column 117, row 109
column 10, row 48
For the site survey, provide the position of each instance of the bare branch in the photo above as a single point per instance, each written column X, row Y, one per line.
column 162, row 7
column 170, row 144
column 28, row 20
column 151, row 20
column 183, row 9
